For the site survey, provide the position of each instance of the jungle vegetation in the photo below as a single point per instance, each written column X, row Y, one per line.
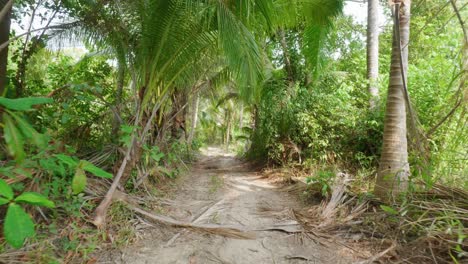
column 99, row 96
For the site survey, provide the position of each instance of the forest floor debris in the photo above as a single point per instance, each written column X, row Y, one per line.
column 428, row 227
column 237, row 202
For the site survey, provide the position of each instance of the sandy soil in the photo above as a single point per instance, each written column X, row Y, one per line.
column 221, row 190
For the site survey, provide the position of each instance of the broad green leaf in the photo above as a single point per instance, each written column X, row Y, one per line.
column 79, row 181
column 67, row 159
column 35, row 199
column 23, row 104
column 389, row 210
column 5, row 190
column 29, row 132
column 18, row 226
column 89, row 167
column 13, row 138
column 3, row 201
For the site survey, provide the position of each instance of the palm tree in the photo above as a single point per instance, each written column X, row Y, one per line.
column 373, row 50
column 393, row 172
column 168, row 46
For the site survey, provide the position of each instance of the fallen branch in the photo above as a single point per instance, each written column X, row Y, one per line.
column 227, row 231
column 196, row 219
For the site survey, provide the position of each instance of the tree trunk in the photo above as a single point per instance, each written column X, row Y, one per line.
column 4, row 37
column 393, row 172
column 194, row 119
column 373, row 51
column 178, row 114
column 287, row 57
column 116, row 122
column 228, row 131
column 241, row 116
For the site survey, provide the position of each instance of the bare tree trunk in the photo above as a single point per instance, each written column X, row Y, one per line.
column 373, row 51
column 5, row 23
column 287, row 57
column 393, row 172
column 194, row 119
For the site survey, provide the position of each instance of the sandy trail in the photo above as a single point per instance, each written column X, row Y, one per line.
column 220, row 190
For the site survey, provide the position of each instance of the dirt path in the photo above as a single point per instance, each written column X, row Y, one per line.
column 220, row 190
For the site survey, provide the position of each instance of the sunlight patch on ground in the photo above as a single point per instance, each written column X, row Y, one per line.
column 216, row 151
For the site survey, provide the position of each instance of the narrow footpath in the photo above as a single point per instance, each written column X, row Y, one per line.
column 220, row 189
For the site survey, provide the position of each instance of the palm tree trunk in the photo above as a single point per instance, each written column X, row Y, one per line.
column 228, row 132
column 393, row 172
column 178, row 114
column 5, row 23
column 194, row 118
column 373, row 51
column 116, row 122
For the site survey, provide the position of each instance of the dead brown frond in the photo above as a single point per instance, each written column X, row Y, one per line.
column 227, row 231
column 430, row 227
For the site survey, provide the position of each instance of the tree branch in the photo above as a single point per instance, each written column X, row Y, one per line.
column 62, row 26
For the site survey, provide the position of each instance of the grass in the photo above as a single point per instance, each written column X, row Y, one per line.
column 216, row 182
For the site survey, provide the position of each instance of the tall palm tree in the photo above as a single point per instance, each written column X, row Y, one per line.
column 393, row 172
column 373, row 50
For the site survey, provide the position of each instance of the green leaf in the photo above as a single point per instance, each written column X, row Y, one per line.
column 23, row 104
column 5, row 190
column 67, row 159
column 29, row 132
column 7, row 171
column 18, row 226
column 13, row 138
column 157, row 157
column 79, row 181
column 35, row 199
column 389, row 210
column 89, row 167
column 23, row 172
column 3, row 201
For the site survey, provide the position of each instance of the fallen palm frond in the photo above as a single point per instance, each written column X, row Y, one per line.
column 290, row 227
column 431, row 227
column 227, row 231
column 336, row 201
column 205, row 211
